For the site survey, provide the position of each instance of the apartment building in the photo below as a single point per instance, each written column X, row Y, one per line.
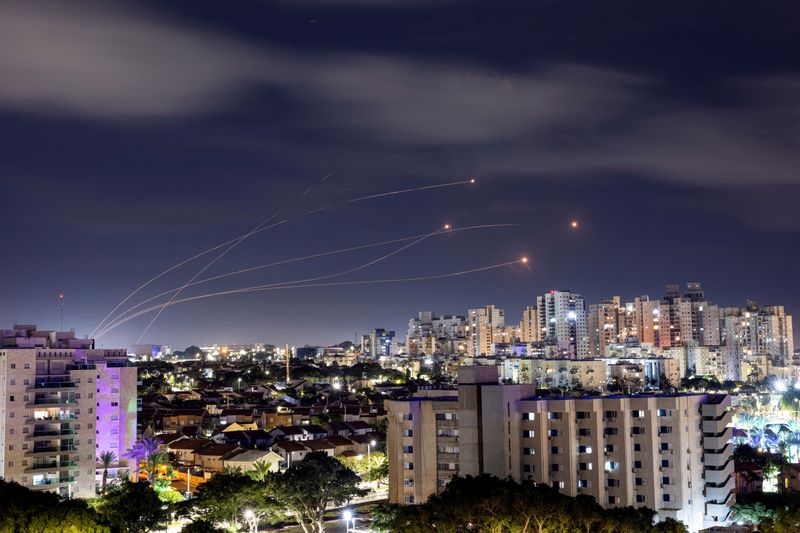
column 563, row 321
column 486, row 327
column 529, row 328
column 430, row 333
column 667, row 452
column 62, row 403
column 606, row 326
column 755, row 330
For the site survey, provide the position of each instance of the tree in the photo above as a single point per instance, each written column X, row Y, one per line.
column 670, row 525
column 540, row 507
column 201, row 526
column 752, row 513
column 106, row 460
column 488, row 504
column 29, row 511
column 224, row 498
column 260, row 471
column 308, row 487
column 149, row 452
column 786, row 520
column 133, row 508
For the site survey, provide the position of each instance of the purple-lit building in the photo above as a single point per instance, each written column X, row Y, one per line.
column 62, row 404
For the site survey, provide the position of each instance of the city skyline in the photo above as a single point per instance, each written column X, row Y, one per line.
column 513, row 316
column 623, row 168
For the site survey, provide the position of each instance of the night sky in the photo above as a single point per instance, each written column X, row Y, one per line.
column 135, row 135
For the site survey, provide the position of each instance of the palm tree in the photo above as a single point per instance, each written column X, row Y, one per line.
column 148, row 451
column 260, row 470
column 106, row 460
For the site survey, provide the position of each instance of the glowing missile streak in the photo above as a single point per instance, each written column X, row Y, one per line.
column 259, row 288
column 414, row 189
column 318, row 278
column 235, row 240
column 302, row 258
column 208, row 265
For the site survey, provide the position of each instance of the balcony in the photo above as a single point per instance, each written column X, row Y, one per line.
column 716, row 459
column 43, row 450
column 51, row 483
column 54, row 419
column 51, row 402
column 59, row 385
column 54, row 433
column 719, row 477
column 716, row 443
column 52, row 465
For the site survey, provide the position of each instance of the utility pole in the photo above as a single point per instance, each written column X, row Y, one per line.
column 288, row 352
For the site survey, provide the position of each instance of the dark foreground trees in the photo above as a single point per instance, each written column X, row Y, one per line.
column 488, row 504
column 309, row 487
column 125, row 508
column 133, row 508
column 23, row 510
column 306, row 489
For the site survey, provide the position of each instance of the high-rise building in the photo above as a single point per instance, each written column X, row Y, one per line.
column 379, row 343
column 755, row 330
column 62, row 404
column 484, row 325
column 529, row 328
column 668, row 452
column 562, row 319
column 646, row 318
column 688, row 319
column 430, row 333
column 606, row 326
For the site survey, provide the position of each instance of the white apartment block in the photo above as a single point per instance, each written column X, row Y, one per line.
column 562, row 318
column 667, row 452
column 430, row 333
column 753, row 331
column 62, row 403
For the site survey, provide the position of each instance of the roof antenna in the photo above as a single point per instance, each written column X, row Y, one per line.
column 61, row 310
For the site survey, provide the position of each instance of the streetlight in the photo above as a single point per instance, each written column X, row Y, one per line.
column 370, row 444
column 252, row 521
column 240, row 383
column 348, row 518
column 189, row 481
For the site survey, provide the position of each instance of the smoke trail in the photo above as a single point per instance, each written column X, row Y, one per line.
column 232, row 241
column 209, row 265
column 414, row 189
column 318, row 278
column 277, row 286
column 298, row 259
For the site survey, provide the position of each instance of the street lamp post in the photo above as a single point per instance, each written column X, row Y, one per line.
column 348, row 518
column 189, row 481
column 240, row 383
column 252, row 521
column 370, row 444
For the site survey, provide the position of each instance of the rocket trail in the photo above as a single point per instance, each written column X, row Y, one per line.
column 235, row 240
column 306, row 280
column 414, row 189
column 259, row 288
column 299, row 259
column 208, row 265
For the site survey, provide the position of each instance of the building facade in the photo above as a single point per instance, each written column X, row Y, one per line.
column 485, row 326
column 667, row 452
column 562, row 319
column 62, row 403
